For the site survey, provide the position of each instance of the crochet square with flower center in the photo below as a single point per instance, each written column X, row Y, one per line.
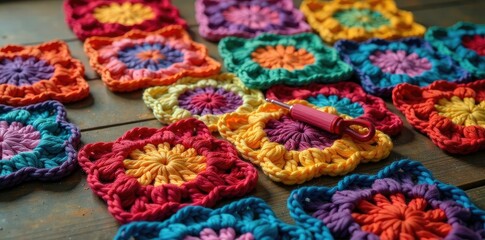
column 248, row 18
column 359, row 20
column 381, row 64
column 149, row 174
column 36, row 143
column 271, row 59
column 143, row 59
column 452, row 115
column 206, row 99
column 112, row 18
column 293, row 152
column 32, row 74
column 402, row 201
column 465, row 42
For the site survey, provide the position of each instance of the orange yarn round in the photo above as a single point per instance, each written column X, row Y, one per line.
column 287, row 57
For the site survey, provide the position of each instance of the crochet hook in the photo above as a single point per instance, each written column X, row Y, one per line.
column 328, row 122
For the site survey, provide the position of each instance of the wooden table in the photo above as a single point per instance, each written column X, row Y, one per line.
column 68, row 208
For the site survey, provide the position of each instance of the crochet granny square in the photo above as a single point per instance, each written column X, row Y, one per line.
column 293, row 152
column 206, row 99
column 465, row 42
column 402, row 201
column 112, row 18
column 149, row 173
column 246, row 219
column 143, row 59
column 359, row 20
column 32, row 74
column 37, row 143
column 381, row 65
column 248, row 18
column 346, row 98
column 271, row 59
column 452, row 115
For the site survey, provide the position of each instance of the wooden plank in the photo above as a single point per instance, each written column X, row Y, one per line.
column 477, row 195
column 76, row 48
column 471, row 11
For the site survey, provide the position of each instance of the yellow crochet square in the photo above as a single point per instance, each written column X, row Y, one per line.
column 293, row 152
column 359, row 20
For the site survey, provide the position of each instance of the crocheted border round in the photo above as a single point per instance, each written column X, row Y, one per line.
column 375, row 80
column 249, row 215
column 225, row 175
column 374, row 109
column 80, row 17
column 63, row 80
column 321, row 17
column 165, row 101
column 419, row 107
column 402, row 178
column 329, row 155
column 104, row 57
column 449, row 41
column 51, row 157
column 213, row 25
column 326, row 67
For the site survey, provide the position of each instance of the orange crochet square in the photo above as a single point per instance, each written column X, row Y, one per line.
column 143, row 59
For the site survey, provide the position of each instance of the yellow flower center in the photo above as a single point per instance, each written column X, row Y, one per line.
column 127, row 13
column 164, row 164
column 462, row 111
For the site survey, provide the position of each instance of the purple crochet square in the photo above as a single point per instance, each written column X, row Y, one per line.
column 248, row 18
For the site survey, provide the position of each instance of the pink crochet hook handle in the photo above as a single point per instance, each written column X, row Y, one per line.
column 328, row 122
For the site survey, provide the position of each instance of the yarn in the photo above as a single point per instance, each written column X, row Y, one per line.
column 144, row 59
column 271, row 59
column 149, row 174
column 293, row 152
column 111, row 18
column 346, row 98
column 359, row 20
column 36, row 143
column 452, row 115
column 248, row 18
column 402, row 201
column 19, row 71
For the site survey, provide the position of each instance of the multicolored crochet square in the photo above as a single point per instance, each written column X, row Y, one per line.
column 112, row 18
column 359, row 20
column 37, row 143
column 402, row 201
column 452, row 115
column 381, row 65
column 465, row 42
column 271, row 59
column 293, row 152
column 206, row 99
column 248, row 18
column 346, row 98
column 32, row 74
column 143, row 59
column 149, row 173
column 245, row 219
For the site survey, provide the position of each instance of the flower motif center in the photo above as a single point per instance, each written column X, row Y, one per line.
column 252, row 16
column 164, row 164
column 209, row 100
column 475, row 43
column 24, row 72
column 463, row 112
column 127, row 13
column 225, row 233
column 342, row 105
column 363, row 18
column 287, row 57
column 400, row 62
column 16, row 138
column 151, row 56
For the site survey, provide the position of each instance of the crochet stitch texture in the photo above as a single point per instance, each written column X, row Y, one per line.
column 149, row 174
column 144, row 59
column 37, row 143
column 402, row 201
column 112, row 18
column 452, row 115
column 293, row 152
column 32, row 74
column 271, row 59
column 359, row 20
column 206, row 99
